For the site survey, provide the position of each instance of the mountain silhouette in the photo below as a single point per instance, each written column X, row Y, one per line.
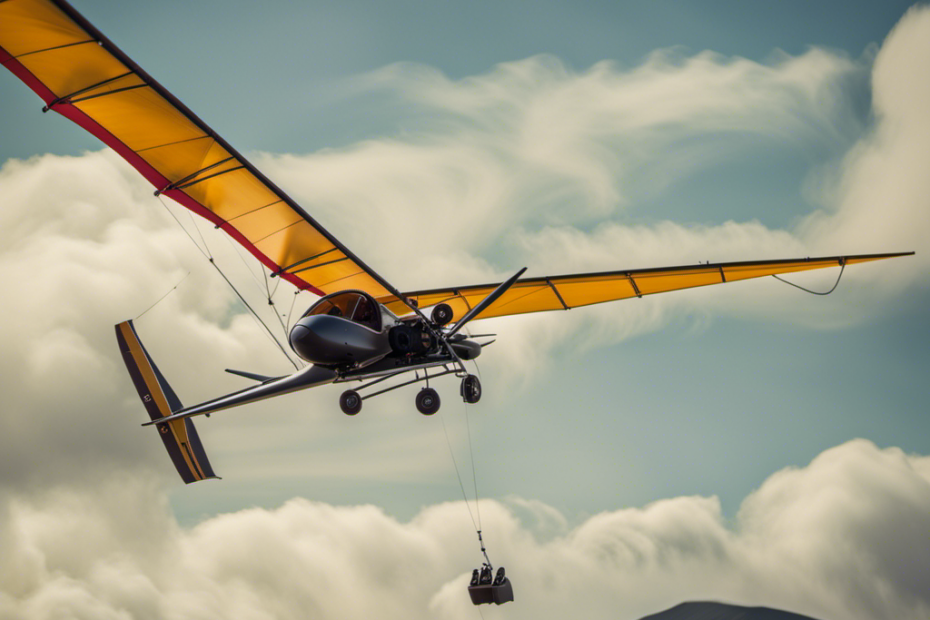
column 722, row 611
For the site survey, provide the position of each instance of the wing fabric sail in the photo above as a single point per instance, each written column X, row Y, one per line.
column 572, row 291
column 80, row 74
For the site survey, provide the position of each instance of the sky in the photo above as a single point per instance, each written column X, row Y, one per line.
column 748, row 443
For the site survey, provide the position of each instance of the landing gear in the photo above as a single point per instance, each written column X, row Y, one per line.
column 470, row 389
column 427, row 401
column 350, row 402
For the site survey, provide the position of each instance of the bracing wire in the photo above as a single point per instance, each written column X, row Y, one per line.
column 255, row 314
column 807, row 290
column 206, row 253
column 181, row 226
column 271, row 303
column 277, row 283
column 290, row 313
column 190, row 214
column 163, row 296
column 262, row 286
column 238, row 250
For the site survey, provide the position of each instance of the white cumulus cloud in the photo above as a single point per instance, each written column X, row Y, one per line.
column 843, row 537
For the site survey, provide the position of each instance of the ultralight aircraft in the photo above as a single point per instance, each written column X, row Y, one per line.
column 362, row 328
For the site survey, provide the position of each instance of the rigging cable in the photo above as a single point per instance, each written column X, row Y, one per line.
column 238, row 250
column 271, row 302
column 206, row 253
column 807, row 290
column 262, row 285
column 290, row 313
column 163, row 296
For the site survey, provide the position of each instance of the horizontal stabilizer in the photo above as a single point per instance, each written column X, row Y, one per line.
column 250, row 375
column 180, row 436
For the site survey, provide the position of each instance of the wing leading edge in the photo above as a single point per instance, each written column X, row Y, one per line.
column 572, row 291
column 80, row 74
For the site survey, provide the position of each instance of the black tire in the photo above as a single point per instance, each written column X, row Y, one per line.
column 350, row 402
column 427, row 401
column 471, row 389
column 442, row 314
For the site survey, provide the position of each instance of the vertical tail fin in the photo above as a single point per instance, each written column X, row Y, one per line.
column 180, row 436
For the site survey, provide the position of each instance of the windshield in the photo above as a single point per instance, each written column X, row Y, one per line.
column 357, row 307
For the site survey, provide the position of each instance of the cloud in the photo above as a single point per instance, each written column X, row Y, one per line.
column 77, row 260
column 590, row 133
column 534, row 143
column 880, row 195
column 535, row 163
column 807, row 540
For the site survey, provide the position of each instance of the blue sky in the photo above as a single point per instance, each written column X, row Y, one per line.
column 479, row 118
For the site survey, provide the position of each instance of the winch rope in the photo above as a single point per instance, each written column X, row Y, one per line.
column 457, row 474
column 474, row 475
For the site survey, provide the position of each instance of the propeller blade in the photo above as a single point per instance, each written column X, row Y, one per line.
column 487, row 301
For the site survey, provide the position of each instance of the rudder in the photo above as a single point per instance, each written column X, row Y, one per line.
column 180, row 436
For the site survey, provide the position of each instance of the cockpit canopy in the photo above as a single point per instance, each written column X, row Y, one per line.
column 356, row 306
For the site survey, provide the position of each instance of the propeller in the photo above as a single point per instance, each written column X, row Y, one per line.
column 487, row 301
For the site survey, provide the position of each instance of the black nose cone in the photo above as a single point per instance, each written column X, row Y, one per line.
column 331, row 340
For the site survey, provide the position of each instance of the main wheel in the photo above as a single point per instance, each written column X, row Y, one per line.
column 427, row 401
column 350, row 402
column 471, row 389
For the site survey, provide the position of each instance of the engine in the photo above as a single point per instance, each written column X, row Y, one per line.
column 410, row 338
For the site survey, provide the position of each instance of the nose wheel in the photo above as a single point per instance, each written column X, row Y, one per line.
column 427, row 401
column 350, row 402
column 470, row 389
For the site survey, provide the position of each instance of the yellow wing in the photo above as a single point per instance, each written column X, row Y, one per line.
column 572, row 291
column 80, row 74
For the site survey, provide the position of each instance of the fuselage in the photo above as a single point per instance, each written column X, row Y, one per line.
column 350, row 329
